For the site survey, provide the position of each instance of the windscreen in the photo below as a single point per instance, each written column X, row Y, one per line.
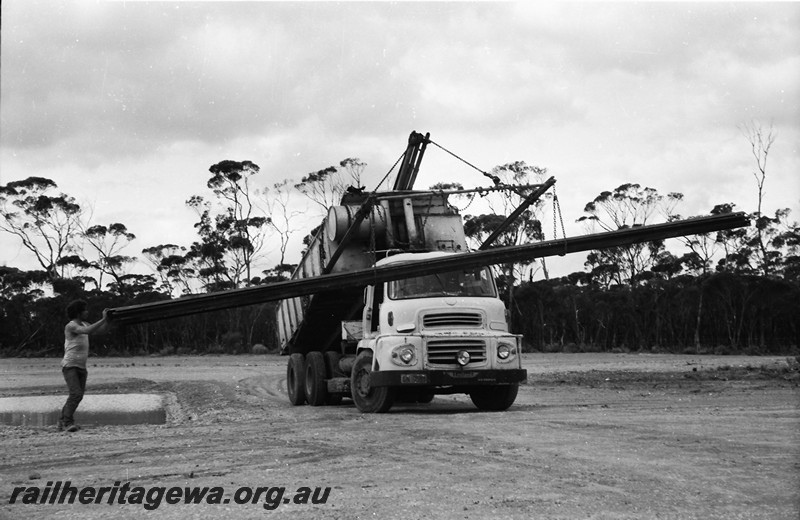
column 471, row 282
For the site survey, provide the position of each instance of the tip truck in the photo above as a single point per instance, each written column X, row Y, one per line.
column 388, row 304
column 404, row 339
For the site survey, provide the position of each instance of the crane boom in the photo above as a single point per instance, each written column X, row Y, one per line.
column 363, row 277
column 411, row 161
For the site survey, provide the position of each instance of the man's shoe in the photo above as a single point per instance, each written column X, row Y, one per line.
column 72, row 428
column 60, row 425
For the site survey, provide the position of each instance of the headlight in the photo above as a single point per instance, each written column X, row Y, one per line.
column 462, row 358
column 404, row 355
column 407, row 355
column 505, row 351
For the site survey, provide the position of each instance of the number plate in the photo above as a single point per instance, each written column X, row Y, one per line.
column 413, row 379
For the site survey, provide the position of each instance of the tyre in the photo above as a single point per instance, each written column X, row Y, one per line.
column 332, row 370
column 315, row 386
column 494, row 398
column 414, row 395
column 295, row 379
column 425, row 396
column 369, row 399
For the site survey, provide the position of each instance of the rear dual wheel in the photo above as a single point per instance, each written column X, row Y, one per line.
column 295, row 379
column 315, row 385
column 306, row 378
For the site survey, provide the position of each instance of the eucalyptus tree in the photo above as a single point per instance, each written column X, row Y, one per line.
column 231, row 230
column 172, row 267
column 629, row 205
column 283, row 214
column 516, row 176
column 106, row 244
column 45, row 221
column 761, row 141
column 325, row 187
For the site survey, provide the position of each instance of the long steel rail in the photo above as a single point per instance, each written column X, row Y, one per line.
column 292, row 288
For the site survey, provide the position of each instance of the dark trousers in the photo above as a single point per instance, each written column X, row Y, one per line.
column 76, row 383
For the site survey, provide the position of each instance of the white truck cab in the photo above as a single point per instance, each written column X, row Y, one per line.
column 436, row 333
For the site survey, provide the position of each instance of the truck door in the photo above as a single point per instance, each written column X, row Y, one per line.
column 373, row 298
column 377, row 301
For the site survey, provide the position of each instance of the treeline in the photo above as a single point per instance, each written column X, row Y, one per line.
column 32, row 326
column 732, row 291
column 721, row 313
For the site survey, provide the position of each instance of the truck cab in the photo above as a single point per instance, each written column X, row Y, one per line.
column 436, row 333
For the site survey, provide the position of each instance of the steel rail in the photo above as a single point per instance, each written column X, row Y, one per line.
column 292, row 288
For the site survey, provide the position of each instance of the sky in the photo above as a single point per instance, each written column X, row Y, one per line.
column 126, row 104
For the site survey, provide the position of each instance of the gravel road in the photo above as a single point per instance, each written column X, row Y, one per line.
column 590, row 436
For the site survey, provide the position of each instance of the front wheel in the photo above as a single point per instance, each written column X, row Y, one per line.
column 425, row 397
column 494, row 398
column 369, row 399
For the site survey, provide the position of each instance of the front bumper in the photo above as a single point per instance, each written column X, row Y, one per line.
column 455, row 377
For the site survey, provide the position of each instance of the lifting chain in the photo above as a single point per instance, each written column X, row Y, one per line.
column 557, row 211
column 557, row 217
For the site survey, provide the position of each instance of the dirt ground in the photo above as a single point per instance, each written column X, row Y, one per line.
column 590, row 436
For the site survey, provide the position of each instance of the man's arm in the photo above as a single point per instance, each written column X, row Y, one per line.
column 95, row 328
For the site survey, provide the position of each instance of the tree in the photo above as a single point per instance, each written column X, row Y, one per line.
column 231, row 235
column 245, row 231
column 765, row 242
column 20, row 294
column 45, row 223
column 629, row 205
column 170, row 263
column 704, row 247
column 736, row 250
column 15, row 282
column 282, row 214
column 761, row 141
column 602, row 272
column 107, row 242
column 525, row 229
column 789, row 242
column 354, row 168
column 75, row 267
column 325, row 187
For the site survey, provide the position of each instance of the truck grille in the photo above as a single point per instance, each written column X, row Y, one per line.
column 452, row 319
column 443, row 351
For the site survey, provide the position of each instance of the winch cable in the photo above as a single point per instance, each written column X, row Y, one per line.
column 495, row 179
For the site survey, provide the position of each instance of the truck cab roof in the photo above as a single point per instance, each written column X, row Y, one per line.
column 412, row 257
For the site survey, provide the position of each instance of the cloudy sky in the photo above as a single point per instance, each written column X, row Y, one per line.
column 125, row 105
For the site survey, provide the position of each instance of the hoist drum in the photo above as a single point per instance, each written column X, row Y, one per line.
column 340, row 218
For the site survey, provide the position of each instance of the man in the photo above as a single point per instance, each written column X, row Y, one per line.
column 76, row 352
